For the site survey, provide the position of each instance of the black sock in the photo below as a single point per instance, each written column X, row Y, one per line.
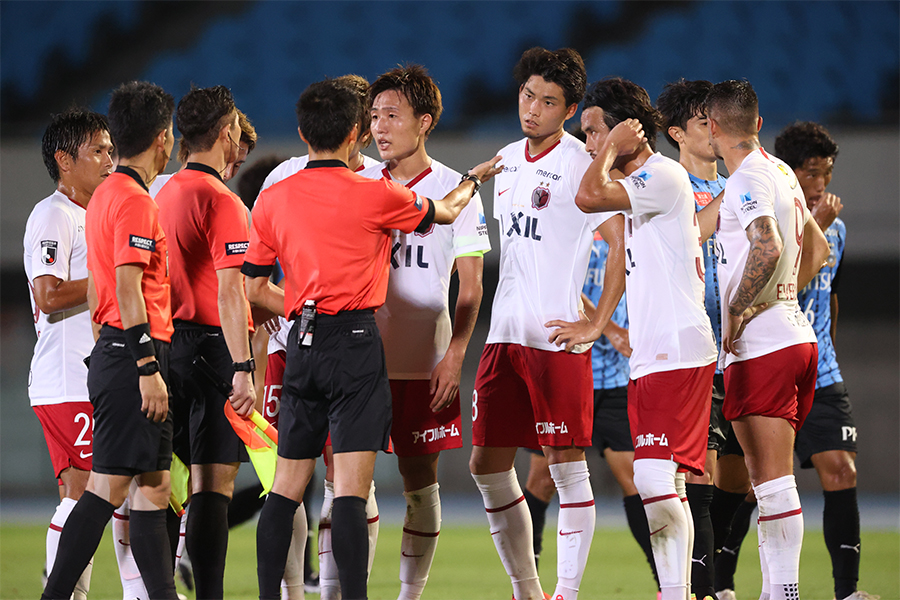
column 637, row 522
column 206, row 537
column 721, row 512
column 350, row 544
column 840, row 522
column 726, row 560
column 538, row 510
column 273, row 541
column 150, row 546
column 702, row 554
column 77, row 544
column 173, row 530
column 244, row 504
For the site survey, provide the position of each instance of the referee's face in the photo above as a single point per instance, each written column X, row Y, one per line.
column 396, row 130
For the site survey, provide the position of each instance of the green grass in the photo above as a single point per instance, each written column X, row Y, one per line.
column 467, row 566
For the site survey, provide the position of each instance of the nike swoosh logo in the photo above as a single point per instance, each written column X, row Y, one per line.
column 561, row 532
column 658, row 530
column 411, row 555
column 324, row 552
column 83, row 455
column 503, row 191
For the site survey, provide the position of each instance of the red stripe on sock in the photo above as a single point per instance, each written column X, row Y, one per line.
column 120, row 517
column 659, row 498
column 508, row 506
column 783, row 515
column 578, row 504
column 324, row 526
column 55, row 527
column 420, row 533
column 683, row 499
column 372, row 520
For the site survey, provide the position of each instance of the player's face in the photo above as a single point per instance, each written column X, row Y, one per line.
column 168, row 146
column 94, row 162
column 696, row 138
column 397, row 131
column 814, row 177
column 542, row 108
column 234, row 146
column 594, row 128
column 232, row 168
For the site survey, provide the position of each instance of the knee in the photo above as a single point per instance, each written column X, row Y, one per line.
column 654, row 477
column 839, row 474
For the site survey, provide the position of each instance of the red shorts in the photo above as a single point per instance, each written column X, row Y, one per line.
column 781, row 384
column 69, row 431
column 668, row 413
column 530, row 398
column 416, row 431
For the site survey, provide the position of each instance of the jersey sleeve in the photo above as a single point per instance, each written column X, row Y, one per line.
column 402, row 208
column 470, row 233
column 651, row 191
column 228, row 231
column 51, row 241
column 260, row 255
column 135, row 228
column 750, row 198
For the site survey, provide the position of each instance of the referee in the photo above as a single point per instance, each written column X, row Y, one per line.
column 128, row 292
column 331, row 231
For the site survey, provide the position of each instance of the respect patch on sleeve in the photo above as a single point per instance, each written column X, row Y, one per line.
column 232, row 248
column 142, row 243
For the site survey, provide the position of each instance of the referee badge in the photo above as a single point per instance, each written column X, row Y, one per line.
column 48, row 252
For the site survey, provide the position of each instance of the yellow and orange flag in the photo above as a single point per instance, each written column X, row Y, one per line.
column 261, row 440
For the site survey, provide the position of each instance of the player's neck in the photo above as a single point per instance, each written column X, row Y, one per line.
column 634, row 161
column 736, row 150
column 342, row 154
column 146, row 164
column 699, row 166
column 357, row 160
column 537, row 145
column 74, row 192
column 213, row 158
column 408, row 167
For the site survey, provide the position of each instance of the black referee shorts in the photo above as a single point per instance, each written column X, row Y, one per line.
column 203, row 434
column 611, row 429
column 341, row 382
column 126, row 442
column 828, row 426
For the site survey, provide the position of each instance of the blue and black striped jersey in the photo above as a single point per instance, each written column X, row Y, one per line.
column 609, row 366
column 815, row 301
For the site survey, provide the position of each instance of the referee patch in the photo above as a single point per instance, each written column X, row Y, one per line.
column 142, row 243
column 418, row 202
column 48, row 252
column 236, row 248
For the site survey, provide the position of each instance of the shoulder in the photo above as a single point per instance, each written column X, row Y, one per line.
column 375, row 171
column 444, row 174
column 285, row 170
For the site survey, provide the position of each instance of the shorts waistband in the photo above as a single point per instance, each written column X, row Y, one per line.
column 191, row 326
column 342, row 318
column 108, row 331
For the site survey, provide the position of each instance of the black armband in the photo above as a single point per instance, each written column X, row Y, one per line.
column 251, row 270
column 139, row 342
column 428, row 219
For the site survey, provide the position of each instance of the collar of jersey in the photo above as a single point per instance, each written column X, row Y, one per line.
column 195, row 166
column 133, row 174
column 331, row 162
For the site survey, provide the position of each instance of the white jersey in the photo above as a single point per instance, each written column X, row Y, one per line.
column 55, row 245
column 158, row 184
column 668, row 325
column 415, row 319
column 545, row 242
column 763, row 186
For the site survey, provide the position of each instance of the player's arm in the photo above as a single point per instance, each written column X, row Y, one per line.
column 813, row 254
column 588, row 330
column 598, row 192
column 766, row 246
column 448, row 208
column 233, row 317
column 52, row 294
column 92, row 305
column 708, row 217
column 446, row 375
column 133, row 312
column 617, row 336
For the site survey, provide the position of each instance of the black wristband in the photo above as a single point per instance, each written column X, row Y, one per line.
column 148, row 368
column 474, row 179
column 139, row 341
column 248, row 366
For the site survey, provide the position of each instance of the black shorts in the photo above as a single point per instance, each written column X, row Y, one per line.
column 203, row 434
column 126, row 442
column 829, row 425
column 611, row 428
column 719, row 427
column 339, row 382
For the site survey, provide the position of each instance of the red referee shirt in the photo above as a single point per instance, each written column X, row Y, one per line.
column 122, row 228
column 331, row 231
column 206, row 226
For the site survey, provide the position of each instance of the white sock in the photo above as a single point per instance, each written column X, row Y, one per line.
column 130, row 576
column 577, row 517
column 420, row 537
column 682, row 495
column 329, row 582
column 372, row 519
column 781, row 534
column 292, row 583
column 511, row 531
column 57, row 522
column 764, row 591
column 655, row 481
column 182, row 536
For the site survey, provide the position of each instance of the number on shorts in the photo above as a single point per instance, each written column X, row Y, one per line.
column 88, row 422
column 474, row 404
column 273, row 400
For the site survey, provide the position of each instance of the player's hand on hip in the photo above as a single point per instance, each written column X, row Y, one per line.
column 571, row 334
column 627, row 136
column 154, row 397
column 272, row 326
column 488, row 169
column 826, row 210
column 242, row 395
column 445, row 381
column 736, row 325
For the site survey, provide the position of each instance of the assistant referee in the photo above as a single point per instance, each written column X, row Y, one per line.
column 331, row 231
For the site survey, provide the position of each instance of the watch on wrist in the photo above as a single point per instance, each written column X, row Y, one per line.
column 148, row 368
column 248, row 366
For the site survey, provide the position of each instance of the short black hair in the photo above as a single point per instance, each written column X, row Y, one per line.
column 417, row 86
column 67, row 131
column 737, row 107
column 252, row 178
column 801, row 141
column 326, row 112
column 138, row 111
column 680, row 102
column 564, row 67
column 202, row 112
column 621, row 99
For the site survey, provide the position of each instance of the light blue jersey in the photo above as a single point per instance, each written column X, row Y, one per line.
column 610, row 367
column 704, row 193
column 815, row 301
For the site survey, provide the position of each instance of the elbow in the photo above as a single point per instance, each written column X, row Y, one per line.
column 251, row 288
column 585, row 202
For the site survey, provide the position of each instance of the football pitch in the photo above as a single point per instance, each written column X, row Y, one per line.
column 467, row 566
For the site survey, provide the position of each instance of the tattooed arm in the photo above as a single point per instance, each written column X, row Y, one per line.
column 765, row 250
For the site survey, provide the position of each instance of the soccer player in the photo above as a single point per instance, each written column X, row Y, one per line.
column 77, row 151
column 424, row 351
column 333, row 242
column 687, row 129
column 533, row 391
column 207, row 233
column 673, row 349
column 768, row 249
column 128, row 291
